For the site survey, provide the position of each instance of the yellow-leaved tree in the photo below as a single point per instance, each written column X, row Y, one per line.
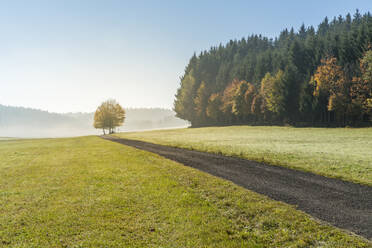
column 361, row 90
column 332, row 87
column 108, row 116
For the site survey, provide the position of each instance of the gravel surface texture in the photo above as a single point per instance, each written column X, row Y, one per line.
column 340, row 203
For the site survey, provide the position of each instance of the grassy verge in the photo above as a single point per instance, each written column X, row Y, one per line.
column 89, row 192
column 339, row 152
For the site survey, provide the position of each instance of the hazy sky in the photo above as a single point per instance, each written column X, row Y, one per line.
column 67, row 56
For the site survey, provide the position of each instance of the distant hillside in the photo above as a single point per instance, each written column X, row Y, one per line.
column 26, row 122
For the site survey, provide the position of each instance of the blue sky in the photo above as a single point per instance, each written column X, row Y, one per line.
column 68, row 56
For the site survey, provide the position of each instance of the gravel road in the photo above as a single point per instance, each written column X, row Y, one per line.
column 342, row 204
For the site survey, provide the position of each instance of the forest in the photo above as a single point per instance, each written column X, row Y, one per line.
column 311, row 77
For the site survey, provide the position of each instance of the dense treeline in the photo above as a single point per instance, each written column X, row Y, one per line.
column 312, row 76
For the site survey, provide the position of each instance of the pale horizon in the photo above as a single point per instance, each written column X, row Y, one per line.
column 85, row 112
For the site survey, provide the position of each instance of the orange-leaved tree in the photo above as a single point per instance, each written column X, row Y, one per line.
column 228, row 97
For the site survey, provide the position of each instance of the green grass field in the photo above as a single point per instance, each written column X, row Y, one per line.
column 89, row 192
column 344, row 153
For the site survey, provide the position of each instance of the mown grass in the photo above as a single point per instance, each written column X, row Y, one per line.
column 344, row 153
column 89, row 192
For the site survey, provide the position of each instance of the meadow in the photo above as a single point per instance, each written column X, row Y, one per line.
column 344, row 153
column 90, row 192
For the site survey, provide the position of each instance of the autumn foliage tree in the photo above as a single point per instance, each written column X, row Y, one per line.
column 228, row 98
column 271, row 91
column 248, row 97
column 361, row 90
column 201, row 102
column 332, row 85
column 316, row 76
column 240, row 107
column 108, row 116
column 257, row 107
column 214, row 108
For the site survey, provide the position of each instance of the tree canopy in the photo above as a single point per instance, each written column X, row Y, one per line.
column 314, row 75
column 108, row 116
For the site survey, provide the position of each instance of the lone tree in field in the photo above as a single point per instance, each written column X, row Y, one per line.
column 108, row 116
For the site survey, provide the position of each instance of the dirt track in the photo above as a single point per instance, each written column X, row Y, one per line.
column 342, row 204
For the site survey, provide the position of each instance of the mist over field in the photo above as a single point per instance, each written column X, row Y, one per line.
column 32, row 123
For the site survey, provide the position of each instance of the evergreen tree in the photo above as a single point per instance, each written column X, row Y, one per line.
column 296, row 57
